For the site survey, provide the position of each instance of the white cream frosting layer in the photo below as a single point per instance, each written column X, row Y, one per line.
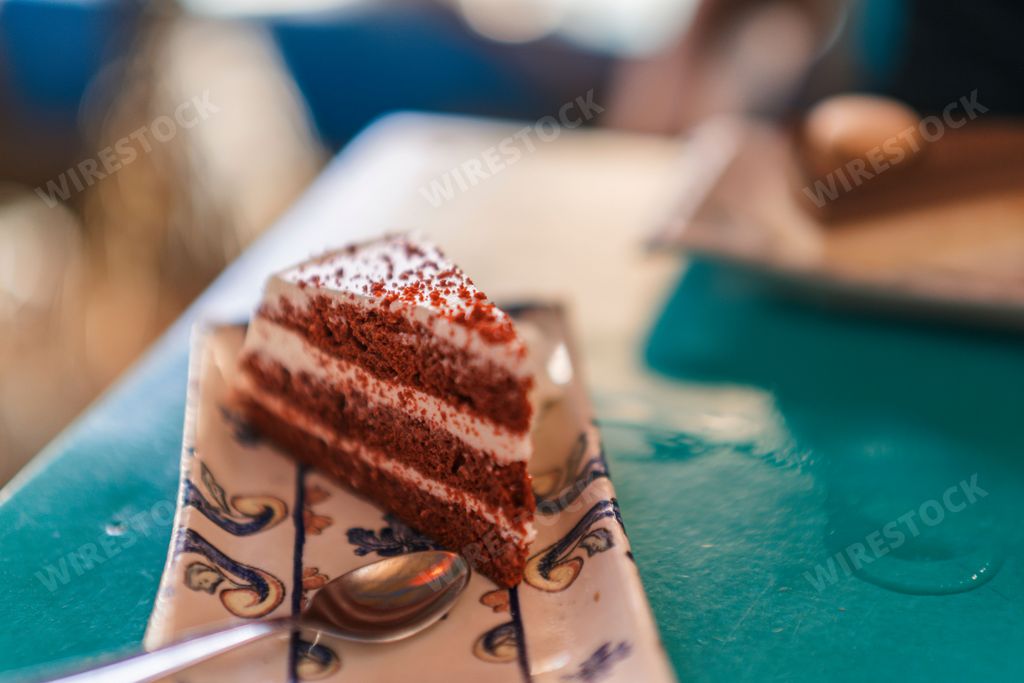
column 413, row 478
column 280, row 344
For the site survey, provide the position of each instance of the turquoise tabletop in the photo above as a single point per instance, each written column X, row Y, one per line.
column 811, row 494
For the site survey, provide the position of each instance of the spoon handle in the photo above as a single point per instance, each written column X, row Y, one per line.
column 148, row 666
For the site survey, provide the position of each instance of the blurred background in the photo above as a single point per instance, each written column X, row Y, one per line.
column 146, row 144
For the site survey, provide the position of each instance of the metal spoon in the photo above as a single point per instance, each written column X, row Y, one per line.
column 382, row 602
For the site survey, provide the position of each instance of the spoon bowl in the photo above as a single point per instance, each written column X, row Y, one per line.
column 390, row 599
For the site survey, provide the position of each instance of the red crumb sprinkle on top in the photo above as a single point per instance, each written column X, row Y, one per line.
column 395, row 269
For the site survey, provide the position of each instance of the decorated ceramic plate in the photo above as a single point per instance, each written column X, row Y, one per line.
column 256, row 534
column 943, row 242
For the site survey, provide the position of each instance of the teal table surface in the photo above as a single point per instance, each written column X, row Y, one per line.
column 818, row 495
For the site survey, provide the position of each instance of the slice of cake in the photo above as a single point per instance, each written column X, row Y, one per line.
column 384, row 366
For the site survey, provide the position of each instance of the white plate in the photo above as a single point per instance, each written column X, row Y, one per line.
column 256, row 534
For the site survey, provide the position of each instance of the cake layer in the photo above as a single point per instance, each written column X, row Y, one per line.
column 516, row 523
column 283, row 346
column 401, row 274
column 493, row 546
column 406, row 437
column 394, row 347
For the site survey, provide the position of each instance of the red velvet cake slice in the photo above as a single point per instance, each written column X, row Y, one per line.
column 384, row 366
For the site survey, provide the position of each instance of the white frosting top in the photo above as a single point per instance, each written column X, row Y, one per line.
column 402, row 275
